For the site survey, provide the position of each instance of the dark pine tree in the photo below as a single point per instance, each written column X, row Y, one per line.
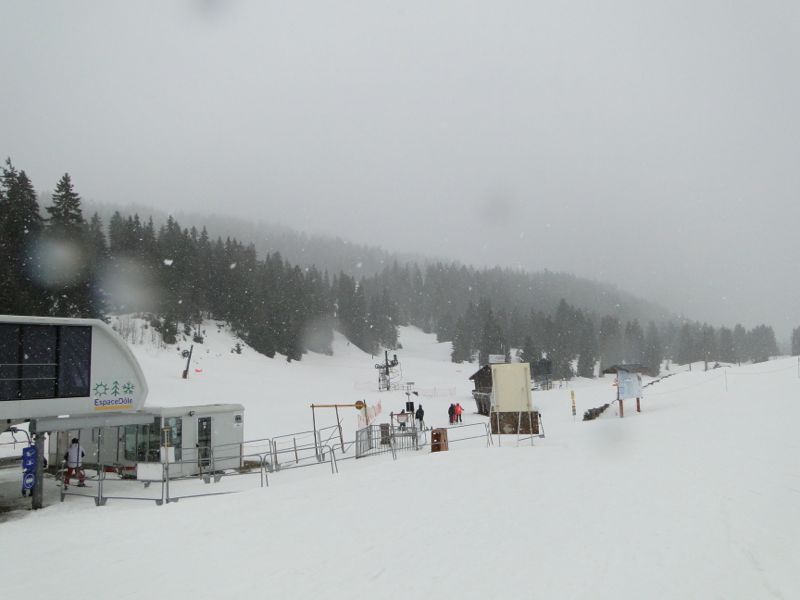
column 796, row 341
column 65, row 211
column 491, row 341
column 653, row 350
column 20, row 232
column 76, row 294
column 587, row 357
column 462, row 342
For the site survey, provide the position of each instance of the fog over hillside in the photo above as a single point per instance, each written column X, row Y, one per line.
column 543, row 291
column 653, row 147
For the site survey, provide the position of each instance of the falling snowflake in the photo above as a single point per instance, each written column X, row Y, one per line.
column 101, row 389
column 168, row 262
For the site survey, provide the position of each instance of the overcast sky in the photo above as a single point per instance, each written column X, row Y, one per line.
column 654, row 145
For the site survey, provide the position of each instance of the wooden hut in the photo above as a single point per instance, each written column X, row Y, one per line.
column 482, row 380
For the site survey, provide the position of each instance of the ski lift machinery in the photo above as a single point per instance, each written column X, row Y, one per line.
column 66, row 374
column 389, row 373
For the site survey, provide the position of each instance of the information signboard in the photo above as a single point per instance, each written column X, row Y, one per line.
column 28, row 467
column 629, row 385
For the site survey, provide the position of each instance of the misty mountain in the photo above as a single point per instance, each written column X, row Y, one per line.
column 510, row 287
column 177, row 275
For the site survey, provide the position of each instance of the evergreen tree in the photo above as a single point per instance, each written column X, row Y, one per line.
column 97, row 252
column 562, row 347
column 462, row 343
column 587, row 357
column 445, row 328
column 65, row 212
column 634, row 343
column 761, row 343
column 740, row 343
column 686, row 344
column 75, row 293
column 653, row 350
column 383, row 319
column 20, row 230
column 708, row 344
column 491, row 340
column 727, row 348
column 610, row 342
column 796, row 341
column 529, row 353
column 351, row 311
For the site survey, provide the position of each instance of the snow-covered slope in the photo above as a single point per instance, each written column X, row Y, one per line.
column 277, row 394
column 695, row 497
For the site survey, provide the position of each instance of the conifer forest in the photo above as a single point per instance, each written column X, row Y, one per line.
column 57, row 261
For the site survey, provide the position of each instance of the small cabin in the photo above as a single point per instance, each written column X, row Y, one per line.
column 204, row 438
column 486, row 393
column 482, row 380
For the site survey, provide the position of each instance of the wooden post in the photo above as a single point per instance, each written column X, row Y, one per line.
column 621, row 409
column 638, row 406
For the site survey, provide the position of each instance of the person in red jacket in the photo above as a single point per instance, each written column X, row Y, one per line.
column 459, row 410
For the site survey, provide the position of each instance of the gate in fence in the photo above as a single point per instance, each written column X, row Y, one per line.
column 382, row 439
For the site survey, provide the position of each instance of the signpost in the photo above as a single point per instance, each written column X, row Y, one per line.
column 188, row 356
column 29, row 456
column 629, row 385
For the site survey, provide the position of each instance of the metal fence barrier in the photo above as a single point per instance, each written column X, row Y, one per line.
column 308, row 455
column 204, row 464
column 486, row 433
column 373, row 440
column 261, row 457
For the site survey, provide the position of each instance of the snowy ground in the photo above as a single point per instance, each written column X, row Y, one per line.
column 695, row 497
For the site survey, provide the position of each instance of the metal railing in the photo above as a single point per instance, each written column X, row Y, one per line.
column 217, row 475
column 261, row 457
column 383, row 439
column 207, row 464
column 294, row 441
column 487, row 434
column 308, row 455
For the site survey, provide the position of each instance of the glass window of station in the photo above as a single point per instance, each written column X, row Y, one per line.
column 44, row 361
column 143, row 442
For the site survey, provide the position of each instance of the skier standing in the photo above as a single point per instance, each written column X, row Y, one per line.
column 420, row 415
column 74, row 458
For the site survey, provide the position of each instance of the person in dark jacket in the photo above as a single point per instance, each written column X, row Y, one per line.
column 451, row 412
column 420, row 415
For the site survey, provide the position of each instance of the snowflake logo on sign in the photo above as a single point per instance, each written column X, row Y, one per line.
column 128, row 388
